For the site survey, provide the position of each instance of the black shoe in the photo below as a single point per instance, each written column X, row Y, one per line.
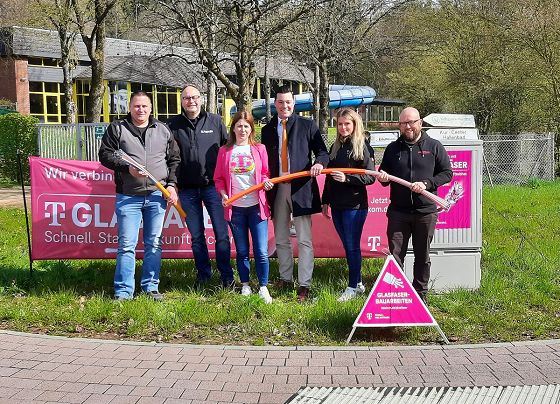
column 155, row 295
column 424, row 298
column 228, row 285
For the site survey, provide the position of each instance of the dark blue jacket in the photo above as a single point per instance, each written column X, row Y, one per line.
column 304, row 138
column 199, row 145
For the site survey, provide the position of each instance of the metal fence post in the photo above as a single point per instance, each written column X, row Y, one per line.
column 79, row 143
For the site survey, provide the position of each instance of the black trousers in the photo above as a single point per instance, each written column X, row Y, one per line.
column 402, row 225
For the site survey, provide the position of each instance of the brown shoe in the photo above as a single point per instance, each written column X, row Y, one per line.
column 282, row 284
column 302, row 293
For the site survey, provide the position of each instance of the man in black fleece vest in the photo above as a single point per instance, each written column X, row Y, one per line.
column 423, row 161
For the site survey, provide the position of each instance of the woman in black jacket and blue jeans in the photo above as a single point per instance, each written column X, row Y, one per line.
column 346, row 194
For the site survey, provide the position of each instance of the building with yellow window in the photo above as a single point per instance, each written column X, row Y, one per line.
column 31, row 76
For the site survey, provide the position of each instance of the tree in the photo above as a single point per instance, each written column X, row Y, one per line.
column 230, row 34
column 59, row 13
column 335, row 39
column 91, row 17
column 460, row 59
column 17, row 12
column 535, row 27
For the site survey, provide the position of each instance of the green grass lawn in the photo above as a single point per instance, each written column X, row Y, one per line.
column 519, row 297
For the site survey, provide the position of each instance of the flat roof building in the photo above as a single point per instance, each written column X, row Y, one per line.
column 31, row 75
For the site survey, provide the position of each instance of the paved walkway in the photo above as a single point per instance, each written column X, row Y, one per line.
column 11, row 197
column 35, row 368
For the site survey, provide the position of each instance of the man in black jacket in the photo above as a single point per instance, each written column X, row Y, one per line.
column 289, row 141
column 199, row 135
column 150, row 143
column 424, row 162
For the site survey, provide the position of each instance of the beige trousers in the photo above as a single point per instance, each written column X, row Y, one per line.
column 281, row 220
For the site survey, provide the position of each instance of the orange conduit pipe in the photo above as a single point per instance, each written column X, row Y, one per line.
column 442, row 203
column 120, row 154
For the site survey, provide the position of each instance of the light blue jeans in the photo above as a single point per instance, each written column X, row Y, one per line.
column 131, row 212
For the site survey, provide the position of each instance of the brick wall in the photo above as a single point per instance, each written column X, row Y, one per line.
column 15, row 83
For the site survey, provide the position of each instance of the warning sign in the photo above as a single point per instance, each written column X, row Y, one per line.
column 394, row 302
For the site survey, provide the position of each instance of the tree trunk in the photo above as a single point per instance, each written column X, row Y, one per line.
column 95, row 100
column 210, row 92
column 95, row 45
column 246, row 75
column 66, row 42
column 324, row 99
column 267, row 91
column 316, row 97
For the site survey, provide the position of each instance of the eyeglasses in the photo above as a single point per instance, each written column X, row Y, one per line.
column 409, row 123
column 192, row 97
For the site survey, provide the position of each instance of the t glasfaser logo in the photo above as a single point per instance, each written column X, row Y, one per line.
column 373, row 242
column 207, row 131
column 82, row 214
column 55, row 210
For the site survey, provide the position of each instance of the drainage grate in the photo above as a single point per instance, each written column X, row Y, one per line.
column 539, row 394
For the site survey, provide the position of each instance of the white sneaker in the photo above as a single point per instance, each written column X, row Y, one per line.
column 360, row 288
column 348, row 294
column 263, row 294
column 245, row 290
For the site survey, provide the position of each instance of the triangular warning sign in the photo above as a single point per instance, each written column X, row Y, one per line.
column 394, row 302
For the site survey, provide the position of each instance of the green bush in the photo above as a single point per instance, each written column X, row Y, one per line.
column 17, row 133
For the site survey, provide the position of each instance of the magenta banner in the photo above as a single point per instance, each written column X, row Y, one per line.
column 73, row 215
column 458, row 191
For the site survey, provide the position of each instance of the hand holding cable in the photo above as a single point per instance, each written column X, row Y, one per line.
column 382, row 176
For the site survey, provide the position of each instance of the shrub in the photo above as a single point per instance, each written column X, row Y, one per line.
column 17, row 133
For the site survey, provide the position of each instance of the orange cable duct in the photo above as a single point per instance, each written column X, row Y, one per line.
column 442, row 203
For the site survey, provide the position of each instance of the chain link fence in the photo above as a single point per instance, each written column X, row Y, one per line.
column 508, row 159
column 516, row 159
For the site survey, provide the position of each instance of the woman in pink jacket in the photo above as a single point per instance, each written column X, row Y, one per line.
column 241, row 164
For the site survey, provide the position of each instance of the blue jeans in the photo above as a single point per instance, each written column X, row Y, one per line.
column 244, row 220
column 349, row 224
column 191, row 200
column 131, row 211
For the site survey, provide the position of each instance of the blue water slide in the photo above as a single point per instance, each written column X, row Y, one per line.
column 339, row 96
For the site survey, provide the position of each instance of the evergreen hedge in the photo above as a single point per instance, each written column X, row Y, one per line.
column 17, row 133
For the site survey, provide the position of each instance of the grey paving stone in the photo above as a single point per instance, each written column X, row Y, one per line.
column 144, row 391
column 255, row 361
column 221, row 396
column 76, row 398
column 98, row 371
column 128, row 399
column 195, row 394
column 120, row 390
column 319, row 380
column 172, row 392
column 162, row 382
column 275, row 398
